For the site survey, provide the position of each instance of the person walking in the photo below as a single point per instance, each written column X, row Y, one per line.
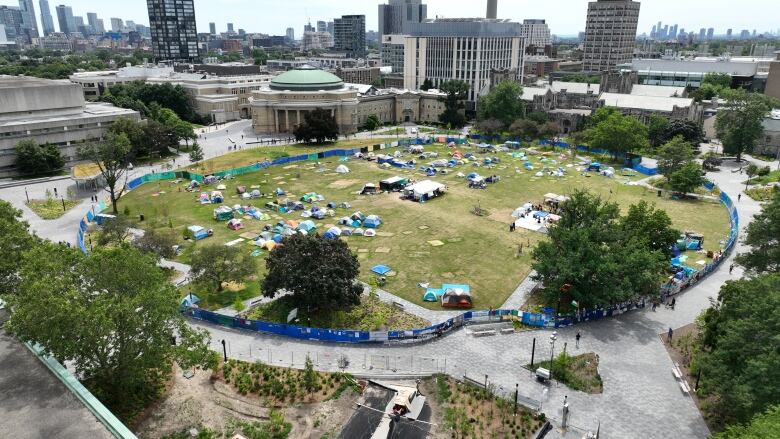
column 577, row 338
column 731, row 269
column 739, row 197
column 669, row 335
column 674, row 302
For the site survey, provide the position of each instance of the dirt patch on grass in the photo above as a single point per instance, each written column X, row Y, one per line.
column 343, row 184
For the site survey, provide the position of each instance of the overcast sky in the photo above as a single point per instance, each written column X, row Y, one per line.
column 565, row 17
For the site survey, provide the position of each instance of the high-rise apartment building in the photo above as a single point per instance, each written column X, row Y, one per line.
column 117, row 24
column 330, row 27
column 290, row 34
column 213, row 28
column 47, row 22
column 710, row 33
column 173, row 29
column 95, row 23
column 610, row 34
column 11, row 18
column 322, row 26
column 230, row 28
column 349, row 35
column 536, row 33
column 66, row 19
column 395, row 17
column 29, row 20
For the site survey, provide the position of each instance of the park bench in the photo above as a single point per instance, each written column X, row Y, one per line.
column 686, row 389
column 399, row 305
column 484, row 333
column 508, row 331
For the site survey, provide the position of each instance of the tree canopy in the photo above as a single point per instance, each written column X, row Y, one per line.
column 674, row 155
column 503, row 103
column 15, row 240
column 111, row 157
column 112, row 315
column 139, row 95
column 215, row 265
column 318, row 126
column 740, row 121
column 762, row 426
column 763, row 238
column 617, row 133
column 656, row 130
column 453, row 114
column 319, row 273
column 687, row 178
column 33, row 159
column 599, row 258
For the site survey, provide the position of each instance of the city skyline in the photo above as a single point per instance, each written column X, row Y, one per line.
column 565, row 17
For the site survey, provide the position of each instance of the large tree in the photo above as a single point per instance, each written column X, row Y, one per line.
column 320, row 273
column 111, row 157
column 688, row 178
column 656, row 130
column 141, row 95
column 453, row 114
column 740, row 362
column 33, row 159
column 618, row 134
column 525, row 129
column 690, row 131
column 674, row 155
column 215, row 265
column 112, row 315
column 740, row 120
column 643, row 221
column 599, row 259
column 762, row 426
column 503, row 103
column 318, row 126
column 15, row 240
column 763, row 238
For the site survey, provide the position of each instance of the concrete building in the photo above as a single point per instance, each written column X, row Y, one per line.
column 282, row 106
column 117, row 24
column 395, row 17
column 747, row 72
column 610, row 34
column 537, row 36
column 349, row 35
column 11, row 19
column 66, row 19
column 540, row 66
column 290, row 34
column 95, row 23
column 358, row 75
column 461, row 48
column 213, row 28
column 47, row 23
column 53, row 112
column 29, row 20
column 773, row 78
column 173, row 28
column 57, row 41
column 770, row 144
column 642, row 106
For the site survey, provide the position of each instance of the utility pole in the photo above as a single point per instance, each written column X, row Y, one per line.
column 533, row 351
column 224, row 350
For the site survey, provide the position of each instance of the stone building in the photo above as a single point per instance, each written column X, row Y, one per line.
column 53, row 112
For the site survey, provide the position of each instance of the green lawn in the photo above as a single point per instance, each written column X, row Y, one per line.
column 478, row 251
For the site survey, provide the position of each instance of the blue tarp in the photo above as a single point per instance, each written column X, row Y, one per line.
column 381, row 270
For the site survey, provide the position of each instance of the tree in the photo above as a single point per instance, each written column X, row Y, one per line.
column 656, row 130
column 751, row 171
column 740, row 355
column 215, row 265
column 135, row 134
column 426, row 85
column 318, row 126
column 490, row 126
column 160, row 138
column 763, row 239
column 601, row 115
column 538, row 116
column 111, row 157
column 310, row 381
column 690, row 131
column 33, row 159
column 719, row 80
column 599, row 259
column 643, row 221
column 319, row 273
column 112, row 315
column 372, row 123
column 525, row 129
column 674, row 155
column 740, row 121
column 166, row 95
column 453, row 114
column 763, row 425
column 503, row 103
column 114, row 231
column 548, row 130
column 688, row 178
column 158, row 243
column 15, row 240
column 618, row 133
column 196, row 153
column 260, row 56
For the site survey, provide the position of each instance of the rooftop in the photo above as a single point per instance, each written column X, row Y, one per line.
column 657, row 90
column 306, row 78
column 654, row 103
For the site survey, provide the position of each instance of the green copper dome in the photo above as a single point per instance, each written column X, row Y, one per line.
column 306, row 78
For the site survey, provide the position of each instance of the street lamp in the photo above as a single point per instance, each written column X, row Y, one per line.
column 553, row 337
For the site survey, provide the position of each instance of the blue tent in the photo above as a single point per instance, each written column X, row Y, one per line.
column 278, row 238
column 433, row 294
column 330, row 235
column 372, row 222
column 189, row 301
column 381, row 270
column 307, row 226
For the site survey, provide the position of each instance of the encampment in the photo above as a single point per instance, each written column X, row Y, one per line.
column 393, row 184
column 372, row 222
column 456, row 298
column 424, row 190
column 342, row 170
column 223, row 213
column 197, row 233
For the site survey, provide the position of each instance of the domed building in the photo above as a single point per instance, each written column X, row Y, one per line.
column 283, row 104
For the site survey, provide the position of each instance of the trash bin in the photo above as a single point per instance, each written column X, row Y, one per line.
column 141, row 217
column 659, row 193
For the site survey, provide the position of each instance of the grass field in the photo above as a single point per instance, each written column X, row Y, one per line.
column 476, row 250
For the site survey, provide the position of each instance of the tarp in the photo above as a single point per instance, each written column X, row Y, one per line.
column 342, row 169
column 381, row 269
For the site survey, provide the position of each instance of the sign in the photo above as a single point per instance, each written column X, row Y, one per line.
column 292, row 316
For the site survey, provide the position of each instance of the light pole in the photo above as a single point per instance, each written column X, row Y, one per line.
column 553, row 337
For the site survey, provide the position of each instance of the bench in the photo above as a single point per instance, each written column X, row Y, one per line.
column 676, row 372
column 483, row 333
column 399, row 305
column 508, row 331
column 684, row 387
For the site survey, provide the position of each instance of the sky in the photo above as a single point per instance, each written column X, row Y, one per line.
column 565, row 17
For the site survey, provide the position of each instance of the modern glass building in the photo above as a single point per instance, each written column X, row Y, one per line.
column 173, row 29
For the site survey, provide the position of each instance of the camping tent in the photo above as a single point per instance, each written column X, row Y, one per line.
column 369, row 233
column 197, row 233
column 393, row 184
column 456, row 298
column 342, row 169
column 204, row 198
column 334, row 230
column 432, row 294
column 424, row 190
column 221, row 187
column 189, row 301
column 307, row 226
column 369, row 189
column 372, row 222
column 235, row 224
column 223, row 213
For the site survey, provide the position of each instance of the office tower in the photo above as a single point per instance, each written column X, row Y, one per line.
column 673, row 32
column 710, row 33
column 654, row 32
column 350, row 35
column 47, row 22
column 492, row 9
column 744, row 34
column 101, row 28
column 66, row 20
column 395, row 17
column 230, row 28
column 290, row 34
column 11, row 18
column 330, row 27
column 729, row 32
column 322, row 26
column 29, row 21
column 536, row 33
column 665, row 32
column 173, row 29
column 79, row 22
column 3, row 37
column 92, row 21
column 610, row 34
column 309, row 28
column 213, row 28
column 117, row 24
column 130, row 25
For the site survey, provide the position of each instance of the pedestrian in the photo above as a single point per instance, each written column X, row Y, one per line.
column 731, row 269
column 674, row 301
column 655, row 305
column 669, row 335
column 739, row 197
column 55, row 192
column 577, row 338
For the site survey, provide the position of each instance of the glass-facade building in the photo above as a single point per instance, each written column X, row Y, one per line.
column 173, row 29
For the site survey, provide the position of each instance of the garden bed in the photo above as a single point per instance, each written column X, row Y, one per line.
column 578, row 373
column 51, row 208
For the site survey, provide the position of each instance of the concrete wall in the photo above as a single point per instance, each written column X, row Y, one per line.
column 19, row 97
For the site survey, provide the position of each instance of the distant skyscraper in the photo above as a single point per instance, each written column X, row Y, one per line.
column 290, row 34
column 702, row 34
column 308, row 28
column 66, row 20
column 654, row 32
column 230, row 28
column 350, row 35
column 330, row 27
column 395, row 17
column 322, row 26
column 729, row 32
column 610, row 34
column 173, row 29
column 492, row 9
column 710, row 33
column 130, row 25
column 29, row 20
column 11, row 18
column 47, row 23
column 213, row 28
column 116, row 24
column 536, row 33
column 673, row 32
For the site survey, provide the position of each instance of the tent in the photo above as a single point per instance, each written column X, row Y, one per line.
column 523, row 210
column 197, row 233
column 456, row 298
column 189, row 301
column 344, row 205
column 358, row 216
column 372, row 222
column 255, row 194
column 235, row 224
column 424, row 190
column 217, row 197
column 345, row 221
column 334, row 231
column 223, row 213
column 278, row 238
column 209, row 179
column 369, row 189
column 393, row 184
column 204, row 199
column 332, row 205
column 331, row 235
column 221, row 187
column 358, row 232
column 346, row 232
column 381, row 270
column 342, row 169
column 240, row 190
column 279, row 192
column 594, row 166
column 369, row 233
column 432, row 294
column 307, row 226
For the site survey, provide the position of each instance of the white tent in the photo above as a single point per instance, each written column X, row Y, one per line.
column 342, row 169
column 425, row 189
